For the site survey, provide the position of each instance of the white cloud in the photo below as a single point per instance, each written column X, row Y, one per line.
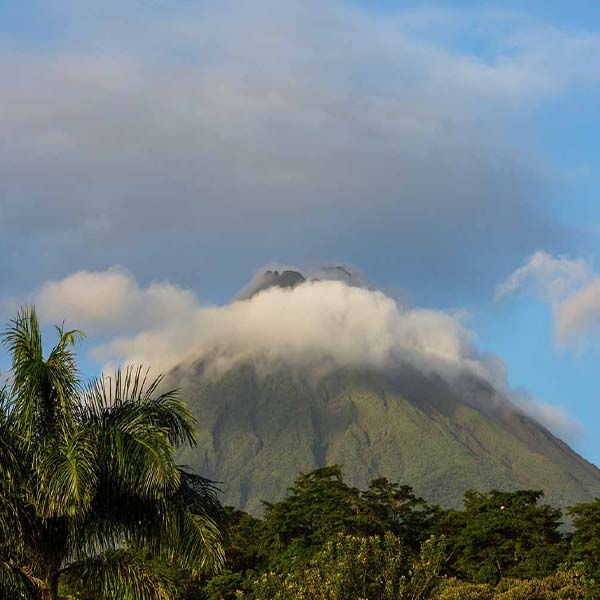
column 578, row 315
column 109, row 301
column 572, row 288
column 318, row 325
column 555, row 418
column 551, row 277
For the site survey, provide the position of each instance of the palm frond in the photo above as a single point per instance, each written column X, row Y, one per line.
column 136, row 457
column 186, row 526
column 85, row 473
column 18, row 583
column 118, row 574
column 44, row 391
column 129, row 391
column 12, row 469
column 67, row 474
column 195, row 523
column 201, row 495
column 9, row 463
column 137, row 431
column 195, row 542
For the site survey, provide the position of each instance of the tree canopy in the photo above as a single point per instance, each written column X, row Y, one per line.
column 89, row 480
column 502, row 534
column 330, row 540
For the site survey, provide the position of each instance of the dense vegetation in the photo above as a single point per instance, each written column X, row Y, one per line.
column 90, row 491
column 94, row 506
column 330, row 541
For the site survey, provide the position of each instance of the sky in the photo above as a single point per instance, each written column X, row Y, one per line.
column 156, row 154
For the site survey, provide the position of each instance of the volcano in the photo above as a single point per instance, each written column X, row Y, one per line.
column 262, row 420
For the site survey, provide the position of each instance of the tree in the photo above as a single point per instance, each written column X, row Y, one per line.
column 352, row 567
column 319, row 506
column 562, row 585
column 585, row 543
column 88, row 478
column 502, row 534
column 245, row 557
column 392, row 507
column 243, row 547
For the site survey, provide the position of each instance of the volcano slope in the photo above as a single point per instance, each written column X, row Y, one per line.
column 261, row 424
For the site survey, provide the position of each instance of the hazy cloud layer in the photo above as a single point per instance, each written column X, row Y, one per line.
column 572, row 287
column 318, row 325
column 155, row 139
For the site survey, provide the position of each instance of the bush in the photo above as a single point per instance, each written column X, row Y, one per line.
column 353, row 568
column 453, row 589
column 563, row 585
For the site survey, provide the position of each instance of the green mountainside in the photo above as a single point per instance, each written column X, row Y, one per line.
column 260, row 427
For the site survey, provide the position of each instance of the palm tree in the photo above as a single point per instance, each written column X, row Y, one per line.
column 89, row 484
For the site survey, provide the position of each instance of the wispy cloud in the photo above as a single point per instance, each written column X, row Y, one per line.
column 554, row 278
column 571, row 286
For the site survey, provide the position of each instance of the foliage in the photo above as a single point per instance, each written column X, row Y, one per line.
column 454, row 589
column 558, row 586
column 88, row 475
column 93, row 504
column 563, row 585
column 352, row 567
column 502, row 534
column 244, row 541
column 321, row 505
column 330, row 540
column 585, row 544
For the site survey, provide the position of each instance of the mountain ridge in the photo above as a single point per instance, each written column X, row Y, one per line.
column 261, row 425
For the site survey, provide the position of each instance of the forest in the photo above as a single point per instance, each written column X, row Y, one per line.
column 329, row 540
column 94, row 505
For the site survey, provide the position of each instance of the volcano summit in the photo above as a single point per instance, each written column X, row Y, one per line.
column 302, row 372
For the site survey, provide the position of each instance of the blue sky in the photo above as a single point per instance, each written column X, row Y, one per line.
column 434, row 146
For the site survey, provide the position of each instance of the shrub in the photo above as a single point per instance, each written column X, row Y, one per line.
column 353, row 568
column 453, row 589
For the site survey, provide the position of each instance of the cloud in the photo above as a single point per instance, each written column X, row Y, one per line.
column 555, row 418
column 578, row 316
column 318, row 325
column 266, row 124
column 552, row 278
column 572, row 288
column 109, row 301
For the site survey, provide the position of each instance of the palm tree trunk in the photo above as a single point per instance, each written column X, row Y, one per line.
column 50, row 592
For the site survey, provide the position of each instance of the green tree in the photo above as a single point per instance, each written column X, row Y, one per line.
column 321, row 505
column 585, row 543
column 243, row 543
column 562, row 585
column 356, row 567
column 390, row 507
column 245, row 556
column 88, row 478
column 502, row 534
